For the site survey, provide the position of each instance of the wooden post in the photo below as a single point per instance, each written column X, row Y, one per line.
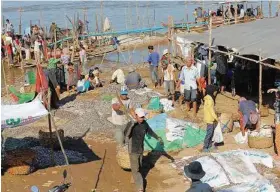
column 235, row 13
column 102, row 19
column 269, row 7
column 210, row 44
column 174, row 50
column 50, row 125
column 4, row 76
column 169, row 38
column 260, row 83
column 20, row 14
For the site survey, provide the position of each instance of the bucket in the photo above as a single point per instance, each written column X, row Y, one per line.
column 226, row 122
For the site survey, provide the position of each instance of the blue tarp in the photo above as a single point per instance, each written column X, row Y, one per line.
column 158, row 121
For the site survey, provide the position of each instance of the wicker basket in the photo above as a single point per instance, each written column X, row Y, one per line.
column 260, row 142
column 264, row 111
column 123, row 157
column 45, row 141
column 226, row 122
column 20, row 161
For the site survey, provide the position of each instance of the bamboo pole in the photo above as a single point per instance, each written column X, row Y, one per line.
column 50, row 124
column 269, row 8
column 210, row 44
column 248, row 59
column 260, row 84
column 20, row 14
column 235, row 12
column 174, row 50
column 102, row 19
column 169, row 38
column 5, row 80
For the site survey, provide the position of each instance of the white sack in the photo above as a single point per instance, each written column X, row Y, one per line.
column 215, row 175
column 218, row 135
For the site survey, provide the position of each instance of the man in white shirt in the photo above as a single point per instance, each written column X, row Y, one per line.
column 242, row 12
column 118, row 77
column 190, row 76
column 168, row 79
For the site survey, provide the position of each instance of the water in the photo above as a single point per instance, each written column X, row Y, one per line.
column 122, row 14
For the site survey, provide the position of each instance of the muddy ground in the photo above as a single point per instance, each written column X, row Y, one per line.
column 103, row 172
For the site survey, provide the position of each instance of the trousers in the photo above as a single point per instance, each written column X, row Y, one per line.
column 136, row 165
column 209, row 136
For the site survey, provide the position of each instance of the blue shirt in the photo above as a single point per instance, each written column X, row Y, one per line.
column 245, row 108
column 198, row 186
column 153, row 59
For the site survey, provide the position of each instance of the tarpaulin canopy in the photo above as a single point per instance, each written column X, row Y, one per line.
column 249, row 38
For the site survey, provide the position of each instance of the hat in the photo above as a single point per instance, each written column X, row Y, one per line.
column 124, row 90
column 254, row 117
column 165, row 51
column 131, row 69
column 140, row 112
column 194, row 170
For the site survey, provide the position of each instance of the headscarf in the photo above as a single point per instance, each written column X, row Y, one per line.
column 242, row 99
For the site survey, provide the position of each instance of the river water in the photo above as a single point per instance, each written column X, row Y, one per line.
column 122, row 15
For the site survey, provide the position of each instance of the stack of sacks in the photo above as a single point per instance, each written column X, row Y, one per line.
column 167, row 104
column 176, row 129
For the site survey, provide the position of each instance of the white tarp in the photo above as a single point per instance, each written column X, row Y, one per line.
column 215, row 175
column 234, row 167
column 176, row 129
column 258, row 186
column 16, row 115
column 167, row 104
column 238, row 166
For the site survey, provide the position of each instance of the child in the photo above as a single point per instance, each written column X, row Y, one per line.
column 82, row 85
column 210, row 118
column 71, row 73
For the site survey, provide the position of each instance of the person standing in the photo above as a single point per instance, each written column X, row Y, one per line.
column 168, row 79
column 27, row 44
column 9, row 26
column 189, row 75
column 135, row 139
column 221, row 70
column 83, row 59
column 277, row 121
column 195, row 15
column 53, row 31
column 153, row 60
column 37, row 50
column 210, row 118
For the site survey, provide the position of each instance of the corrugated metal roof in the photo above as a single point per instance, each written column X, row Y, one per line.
column 248, row 38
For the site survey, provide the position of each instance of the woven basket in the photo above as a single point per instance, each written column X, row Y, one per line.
column 45, row 141
column 260, row 142
column 123, row 157
column 20, row 161
column 226, row 122
column 264, row 111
